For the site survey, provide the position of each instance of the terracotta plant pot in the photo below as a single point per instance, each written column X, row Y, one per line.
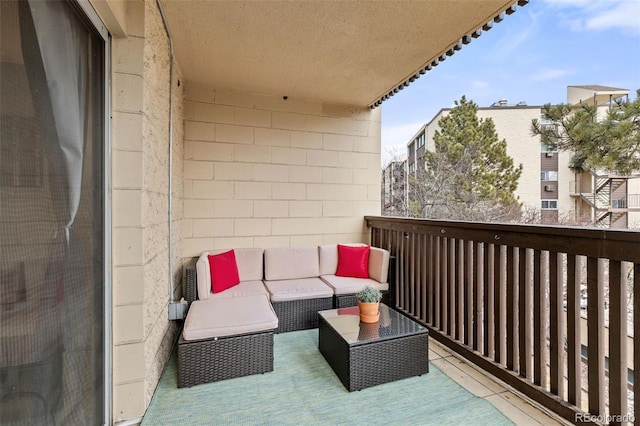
column 369, row 312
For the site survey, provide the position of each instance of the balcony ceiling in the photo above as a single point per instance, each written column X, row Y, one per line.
column 343, row 52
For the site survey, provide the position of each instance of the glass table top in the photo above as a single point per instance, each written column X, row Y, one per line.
column 392, row 324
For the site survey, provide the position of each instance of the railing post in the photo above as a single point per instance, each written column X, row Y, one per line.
column 498, row 303
column 468, row 293
column 512, row 303
column 617, row 341
column 574, row 342
column 477, row 296
column 431, row 301
column 556, row 325
column 595, row 335
column 488, row 287
column 524, row 315
column 636, row 342
column 538, row 297
column 460, row 291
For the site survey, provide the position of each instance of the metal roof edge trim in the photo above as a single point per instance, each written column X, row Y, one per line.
column 466, row 39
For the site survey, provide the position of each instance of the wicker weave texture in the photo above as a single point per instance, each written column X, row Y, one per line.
column 191, row 293
column 300, row 314
column 204, row 361
column 362, row 366
column 347, row 300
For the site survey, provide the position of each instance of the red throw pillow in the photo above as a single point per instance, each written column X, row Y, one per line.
column 224, row 271
column 353, row 261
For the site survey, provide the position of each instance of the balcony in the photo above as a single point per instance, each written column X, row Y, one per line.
column 532, row 319
column 508, row 299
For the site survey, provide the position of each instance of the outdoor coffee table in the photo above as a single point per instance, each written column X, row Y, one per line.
column 364, row 355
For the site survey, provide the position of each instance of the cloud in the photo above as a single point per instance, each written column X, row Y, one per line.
column 586, row 15
column 626, row 16
column 516, row 36
column 395, row 138
column 550, row 74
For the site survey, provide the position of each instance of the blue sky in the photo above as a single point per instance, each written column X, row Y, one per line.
column 531, row 56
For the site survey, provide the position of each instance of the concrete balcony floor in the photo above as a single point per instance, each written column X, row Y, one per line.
column 303, row 389
column 515, row 406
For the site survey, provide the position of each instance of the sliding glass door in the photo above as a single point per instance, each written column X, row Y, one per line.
column 52, row 215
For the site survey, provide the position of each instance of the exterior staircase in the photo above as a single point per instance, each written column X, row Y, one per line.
column 607, row 211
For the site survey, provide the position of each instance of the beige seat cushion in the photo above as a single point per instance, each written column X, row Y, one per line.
column 229, row 317
column 288, row 263
column 245, row 288
column 348, row 285
column 304, row 288
column 249, row 261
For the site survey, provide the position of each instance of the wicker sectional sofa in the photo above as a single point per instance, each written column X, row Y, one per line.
column 286, row 286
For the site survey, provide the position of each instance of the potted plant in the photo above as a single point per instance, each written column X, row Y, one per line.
column 369, row 303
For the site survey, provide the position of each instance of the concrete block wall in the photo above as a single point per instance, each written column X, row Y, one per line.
column 142, row 335
column 262, row 171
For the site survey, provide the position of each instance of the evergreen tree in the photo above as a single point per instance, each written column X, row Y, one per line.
column 469, row 175
column 610, row 143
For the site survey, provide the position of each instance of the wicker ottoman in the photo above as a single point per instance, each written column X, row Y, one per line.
column 226, row 338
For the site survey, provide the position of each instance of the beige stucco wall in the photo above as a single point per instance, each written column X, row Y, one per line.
column 566, row 184
column 633, row 192
column 142, row 334
column 514, row 125
column 262, row 171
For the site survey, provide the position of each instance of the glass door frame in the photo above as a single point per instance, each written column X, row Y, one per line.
column 87, row 9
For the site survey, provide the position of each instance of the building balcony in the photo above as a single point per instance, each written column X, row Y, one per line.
column 535, row 320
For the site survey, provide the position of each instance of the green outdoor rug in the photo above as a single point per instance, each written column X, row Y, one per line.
column 303, row 390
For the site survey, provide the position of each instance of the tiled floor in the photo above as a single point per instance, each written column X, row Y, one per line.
column 514, row 406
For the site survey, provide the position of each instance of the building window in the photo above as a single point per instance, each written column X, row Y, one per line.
column 550, row 175
column 421, row 140
column 412, row 167
column 544, row 119
column 619, row 204
column 549, row 204
column 545, row 148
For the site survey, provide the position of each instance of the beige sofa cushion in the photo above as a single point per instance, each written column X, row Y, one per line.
column 229, row 317
column 289, row 263
column 303, row 288
column 378, row 261
column 349, row 285
column 249, row 261
column 245, row 288
column 379, row 265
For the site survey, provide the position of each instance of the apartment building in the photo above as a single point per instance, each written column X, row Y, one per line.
column 394, row 188
column 547, row 183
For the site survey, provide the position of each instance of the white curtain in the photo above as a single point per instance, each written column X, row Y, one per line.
column 64, row 48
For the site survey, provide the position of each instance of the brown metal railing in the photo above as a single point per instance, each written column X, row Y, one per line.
column 508, row 298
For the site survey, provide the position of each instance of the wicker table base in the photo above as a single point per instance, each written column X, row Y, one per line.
column 374, row 361
column 300, row 314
